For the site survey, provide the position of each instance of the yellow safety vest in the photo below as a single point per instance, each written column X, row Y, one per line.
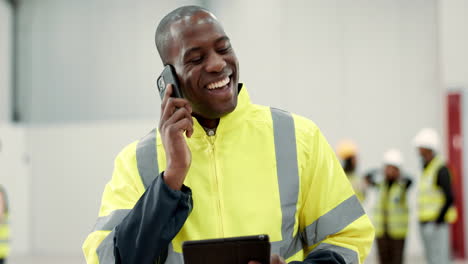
column 391, row 210
column 264, row 172
column 358, row 188
column 431, row 198
column 4, row 229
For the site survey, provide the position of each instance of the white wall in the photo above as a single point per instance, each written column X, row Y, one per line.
column 363, row 69
column 5, row 59
column 70, row 165
column 93, row 60
column 453, row 21
column 15, row 175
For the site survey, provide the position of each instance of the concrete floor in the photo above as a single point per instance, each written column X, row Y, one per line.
column 80, row 260
column 46, row 260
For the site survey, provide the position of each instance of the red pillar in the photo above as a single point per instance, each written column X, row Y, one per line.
column 455, row 164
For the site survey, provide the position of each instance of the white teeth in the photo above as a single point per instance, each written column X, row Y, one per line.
column 218, row 84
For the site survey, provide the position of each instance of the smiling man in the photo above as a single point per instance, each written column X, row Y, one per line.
column 221, row 166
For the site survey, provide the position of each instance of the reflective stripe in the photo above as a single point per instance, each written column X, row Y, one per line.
column 294, row 245
column 350, row 256
column 110, row 221
column 4, row 241
column 173, row 257
column 147, row 163
column 288, row 180
column 334, row 220
column 147, row 158
column 105, row 251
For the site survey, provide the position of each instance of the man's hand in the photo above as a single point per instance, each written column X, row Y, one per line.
column 176, row 119
column 275, row 259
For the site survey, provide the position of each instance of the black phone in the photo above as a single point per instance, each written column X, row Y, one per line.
column 234, row 250
column 169, row 76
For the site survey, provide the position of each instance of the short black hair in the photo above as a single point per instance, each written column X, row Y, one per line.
column 162, row 36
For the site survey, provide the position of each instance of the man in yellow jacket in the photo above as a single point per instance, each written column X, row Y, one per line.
column 4, row 227
column 391, row 210
column 220, row 166
column 436, row 210
column 347, row 151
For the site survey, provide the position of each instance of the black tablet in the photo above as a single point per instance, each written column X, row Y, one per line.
column 233, row 250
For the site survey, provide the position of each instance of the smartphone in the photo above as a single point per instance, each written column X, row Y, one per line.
column 234, row 250
column 169, row 76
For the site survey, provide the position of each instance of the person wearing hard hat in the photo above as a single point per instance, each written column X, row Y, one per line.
column 391, row 211
column 4, row 228
column 435, row 199
column 347, row 152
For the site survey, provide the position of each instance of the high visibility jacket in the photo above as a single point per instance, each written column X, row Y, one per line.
column 391, row 211
column 4, row 228
column 358, row 186
column 431, row 198
column 264, row 172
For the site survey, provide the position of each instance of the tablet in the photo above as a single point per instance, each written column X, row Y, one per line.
column 233, row 250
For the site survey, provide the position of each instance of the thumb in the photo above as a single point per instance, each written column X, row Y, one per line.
column 276, row 259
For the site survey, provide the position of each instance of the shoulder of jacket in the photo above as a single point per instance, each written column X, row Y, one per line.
column 128, row 152
column 301, row 123
column 305, row 126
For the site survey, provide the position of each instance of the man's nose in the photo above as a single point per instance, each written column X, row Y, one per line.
column 215, row 63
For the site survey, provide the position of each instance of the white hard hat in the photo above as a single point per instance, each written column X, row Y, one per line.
column 393, row 157
column 427, row 138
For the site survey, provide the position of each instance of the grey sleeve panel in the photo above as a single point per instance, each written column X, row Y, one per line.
column 327, row 253
column 105, row 251
column 109, row 222
column 147, row 158
column 333, row 221
column 145, row 233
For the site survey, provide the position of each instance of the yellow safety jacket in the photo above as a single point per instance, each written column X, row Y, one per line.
column 264, row 172
column 391, row 211
column 431, row 198
column 4, row 229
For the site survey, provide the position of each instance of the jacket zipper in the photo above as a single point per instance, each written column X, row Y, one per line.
column 211, row 140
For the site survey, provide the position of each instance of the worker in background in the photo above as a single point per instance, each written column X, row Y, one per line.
column 391, row 211
column 347, row 152
column 221, row 166
column 435, row 199
column 4, row 228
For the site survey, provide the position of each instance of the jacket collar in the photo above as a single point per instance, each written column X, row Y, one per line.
column 231, row 120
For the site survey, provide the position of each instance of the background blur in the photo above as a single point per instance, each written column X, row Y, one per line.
column 77, row 83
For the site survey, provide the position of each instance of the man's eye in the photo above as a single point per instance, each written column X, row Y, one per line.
column 224, row 50
column 196, row 60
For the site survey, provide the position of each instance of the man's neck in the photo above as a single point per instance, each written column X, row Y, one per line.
column 428, row 160
column 207, row 123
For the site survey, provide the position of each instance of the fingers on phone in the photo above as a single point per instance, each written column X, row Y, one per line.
column 178, row 118
column 167, row 95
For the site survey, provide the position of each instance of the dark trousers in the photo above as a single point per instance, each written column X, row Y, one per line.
column 390, row 250
column 2, row 261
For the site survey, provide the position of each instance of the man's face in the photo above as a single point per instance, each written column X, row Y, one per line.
column 206, row 65
column 392, row 172
column 425, row 154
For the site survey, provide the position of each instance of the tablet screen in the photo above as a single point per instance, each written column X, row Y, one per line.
column 233, row 250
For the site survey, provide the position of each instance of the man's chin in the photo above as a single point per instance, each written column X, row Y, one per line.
column 217, row 113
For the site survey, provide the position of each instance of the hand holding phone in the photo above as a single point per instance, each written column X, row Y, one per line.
column 176, row 119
